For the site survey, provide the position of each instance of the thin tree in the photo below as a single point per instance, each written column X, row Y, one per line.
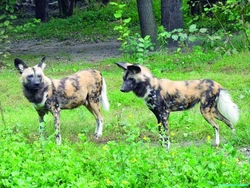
column 147, row 19
column 66, row 7
column 105, row 2
column 42, row 10
column 171, row 14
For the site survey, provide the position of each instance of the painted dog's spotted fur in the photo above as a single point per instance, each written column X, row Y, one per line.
column 163, row 96
column 86, row 87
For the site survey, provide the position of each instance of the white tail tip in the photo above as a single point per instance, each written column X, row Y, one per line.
column 227, row 107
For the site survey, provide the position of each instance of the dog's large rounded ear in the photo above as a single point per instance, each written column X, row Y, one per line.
column 42, row 63
column 20, row 65
column 134, row 68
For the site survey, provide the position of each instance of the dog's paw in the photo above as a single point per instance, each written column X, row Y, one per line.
column 97, row 136
column 58, row 139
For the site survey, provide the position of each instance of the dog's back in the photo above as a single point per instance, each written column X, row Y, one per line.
column 182, row 95
column 78, row 89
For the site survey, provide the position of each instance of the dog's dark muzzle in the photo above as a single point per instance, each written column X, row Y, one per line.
column 34, row 84
column 124, row 90
column 127, row 86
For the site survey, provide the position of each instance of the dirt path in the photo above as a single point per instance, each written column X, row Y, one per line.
column 69, row 50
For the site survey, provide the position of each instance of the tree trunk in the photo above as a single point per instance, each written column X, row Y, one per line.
column 105, row 2
column 66, row 7
column 147, row 19
column 171, row 14
column 41, row 10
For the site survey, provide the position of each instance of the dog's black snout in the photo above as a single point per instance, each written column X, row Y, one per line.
column 126, row 87
column 37, row 84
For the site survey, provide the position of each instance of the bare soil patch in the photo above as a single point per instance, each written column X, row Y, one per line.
column 69, row 50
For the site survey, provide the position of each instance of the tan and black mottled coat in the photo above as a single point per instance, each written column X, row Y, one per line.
column 86, row 87
column 163, row 96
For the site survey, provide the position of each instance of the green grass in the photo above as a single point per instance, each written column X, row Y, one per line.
column 128, row 154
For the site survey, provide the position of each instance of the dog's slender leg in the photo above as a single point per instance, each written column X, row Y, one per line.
column 162, row 117
column 100, row 128
column 56, row 114
column 41, row 114
column 97, row 127
column 217, row 136
column 208, row 115
column 94, row 108
column 165, row 116
column 208, row 110
column 220, row 117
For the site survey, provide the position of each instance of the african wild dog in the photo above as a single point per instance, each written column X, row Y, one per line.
column 86, row 87
column 163, row 96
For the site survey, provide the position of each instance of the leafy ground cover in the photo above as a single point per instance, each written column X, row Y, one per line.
column 128, row 154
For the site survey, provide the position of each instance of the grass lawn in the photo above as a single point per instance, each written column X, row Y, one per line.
column 128, row 154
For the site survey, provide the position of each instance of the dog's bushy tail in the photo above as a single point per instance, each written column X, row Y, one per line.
column 227, row 107
column 104, row 98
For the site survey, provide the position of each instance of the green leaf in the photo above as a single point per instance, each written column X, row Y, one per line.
column 118, row 14
column 141, row 45
column 2, row 16
column 192, row 38
column 206, row 9
column 127, row 20
column 118, row 27
column 141, row 40
column 203, row 30
column 2, row 32
column 192, row 28
column 6, row 23
column 125, row 34
column 179, row 30
column 183, row 36
column 175, row 37
column 12, row 17
column 4, row 36
column 113, row 3
column 121, row 6
column 147, row 37
column 211, row 166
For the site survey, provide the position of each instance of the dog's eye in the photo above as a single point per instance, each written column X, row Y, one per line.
column 30, row 76
column 39, row 76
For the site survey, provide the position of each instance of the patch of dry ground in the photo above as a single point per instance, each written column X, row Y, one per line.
column 70, row 50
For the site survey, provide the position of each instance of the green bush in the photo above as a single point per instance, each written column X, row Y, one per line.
column 6, row 9
column 132, row 164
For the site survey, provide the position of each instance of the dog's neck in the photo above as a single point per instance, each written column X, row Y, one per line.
column 36, row 96
column 148, row 92
column 142, row 89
